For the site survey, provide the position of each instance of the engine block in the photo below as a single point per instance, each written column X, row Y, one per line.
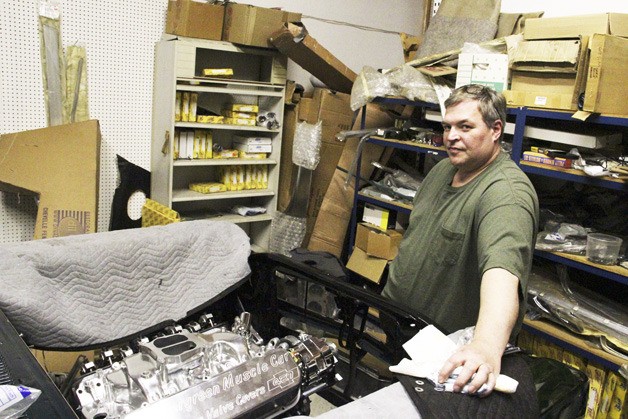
column 215, row 373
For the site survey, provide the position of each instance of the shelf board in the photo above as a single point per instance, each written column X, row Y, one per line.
column 186, row 195
column 221, row 162
column 408, row 145
column 613, row 272
column 231, row 218
column 572, row 342
column 393, row 205
column 233, row 88
column 572, row 175
column 198, row 125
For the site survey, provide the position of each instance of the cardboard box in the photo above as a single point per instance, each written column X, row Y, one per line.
column 294, row 41
column 369, row 267
column 548, row 74
column 287, row 169
column 533, row 157
column 61, row 165
column 574, row 26
column 485, row 69
column 336, row 115
column 332, row 221
column 249, row 25
column 377, row 216
column 377, row 242
column 607, row 78
column 194, row 19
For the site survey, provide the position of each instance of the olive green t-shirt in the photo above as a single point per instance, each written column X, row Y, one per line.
column 455, row 234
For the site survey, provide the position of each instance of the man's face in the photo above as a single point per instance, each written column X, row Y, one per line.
column 470, row 144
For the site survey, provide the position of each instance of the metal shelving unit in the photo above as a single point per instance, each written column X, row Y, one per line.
column 259, row 79
column 521, row 116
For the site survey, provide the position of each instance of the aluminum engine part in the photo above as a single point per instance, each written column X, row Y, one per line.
column 212, row 374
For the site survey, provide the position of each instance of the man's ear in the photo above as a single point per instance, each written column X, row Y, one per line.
column 498, row 128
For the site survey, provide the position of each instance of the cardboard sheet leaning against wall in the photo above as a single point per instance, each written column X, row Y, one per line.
column 331, row 224
column 61, row 166
column 333, row 110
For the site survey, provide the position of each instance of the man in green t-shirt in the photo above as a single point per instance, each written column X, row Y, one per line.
column 466, row 255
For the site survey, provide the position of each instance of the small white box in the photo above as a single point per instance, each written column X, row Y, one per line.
column 253, row 148
column 485, row 69
column 251, row 140
column 186, row 145
column 376, row 216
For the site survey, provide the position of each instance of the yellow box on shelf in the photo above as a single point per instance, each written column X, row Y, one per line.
column 218, row 72
column 208, row 187
column 243, row 107
column 240, row 121
column 210, row 119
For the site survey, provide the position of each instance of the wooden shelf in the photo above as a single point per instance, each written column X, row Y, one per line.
column 573, row 342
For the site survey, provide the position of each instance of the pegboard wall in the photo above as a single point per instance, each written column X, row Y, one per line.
column 119, row 37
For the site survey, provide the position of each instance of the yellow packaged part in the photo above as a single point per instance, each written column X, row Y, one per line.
column 210, row 119
column 177, row 107
column 264, row 177
column 175, row 145
column 248, row 178
column 156, row 214
column 225, row 154
column 202, row 152
column 209, row 145
column 619, row 408
column 253, row 156
column 218, row 72
column 233, row 174
column 607, row 396
column 193, row 106
column 196, row 151
column 242, row 107
column 185, row 106
column 208, row 187
column 226, row 177
column 234, row 114
column 596, row 376
column 240, row 176
column 240, row 121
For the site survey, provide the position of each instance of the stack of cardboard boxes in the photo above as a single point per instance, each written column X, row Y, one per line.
column 567, row 62
column 238, row 23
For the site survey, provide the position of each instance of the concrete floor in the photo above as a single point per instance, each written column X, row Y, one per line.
column 319, row 405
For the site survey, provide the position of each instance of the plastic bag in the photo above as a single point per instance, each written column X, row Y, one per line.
column 369, row 84
column 14, row 400
column 410, row 83
column 307, row 145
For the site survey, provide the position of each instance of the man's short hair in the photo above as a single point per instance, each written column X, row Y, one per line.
column 491, row 104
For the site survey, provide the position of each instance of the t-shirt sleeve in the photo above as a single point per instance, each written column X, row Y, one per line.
column 506, row 239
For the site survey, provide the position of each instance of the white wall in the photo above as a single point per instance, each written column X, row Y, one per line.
column 119, row 37
column 353, row 46
column 553, row 8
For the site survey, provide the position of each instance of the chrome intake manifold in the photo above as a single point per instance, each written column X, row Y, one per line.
column 214, row 373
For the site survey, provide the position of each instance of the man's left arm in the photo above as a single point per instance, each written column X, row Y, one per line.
column 499, row 307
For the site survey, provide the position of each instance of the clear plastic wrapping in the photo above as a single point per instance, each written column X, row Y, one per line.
column 404, row 80
column 410, row 83
column 562, row 237
column 369, row 84
column 579, row 310
column 307, row 145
